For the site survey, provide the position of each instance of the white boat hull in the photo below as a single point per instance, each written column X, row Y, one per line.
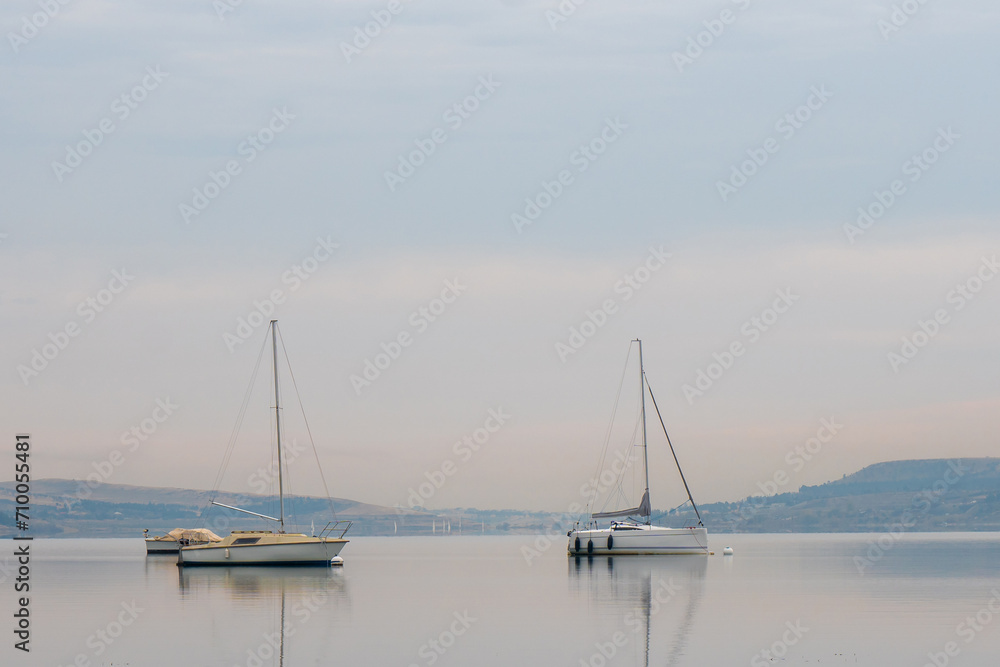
column 636, row 540
column 312, row 552
column 161, row 546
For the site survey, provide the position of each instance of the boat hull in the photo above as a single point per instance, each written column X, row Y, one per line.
column 639, row 540
column 319, row 552
column 161, row 546
column 156, row 547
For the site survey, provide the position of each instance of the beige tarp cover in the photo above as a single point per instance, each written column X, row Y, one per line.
column 193, row 534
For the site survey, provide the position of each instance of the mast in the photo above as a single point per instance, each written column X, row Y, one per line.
column 277, row 422
column 642, row 393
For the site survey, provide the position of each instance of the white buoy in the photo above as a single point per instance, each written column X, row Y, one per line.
column 728, row 551
column 337, row 561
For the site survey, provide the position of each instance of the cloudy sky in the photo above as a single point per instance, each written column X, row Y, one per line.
column 170, row 168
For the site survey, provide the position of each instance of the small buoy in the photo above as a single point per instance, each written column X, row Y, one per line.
column 611, row 542
column 576, row 544
column 728, row 551
column 337, row 561
column 590, row 546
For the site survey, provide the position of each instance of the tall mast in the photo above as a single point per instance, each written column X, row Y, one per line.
column 277, row 422
column 642, row 393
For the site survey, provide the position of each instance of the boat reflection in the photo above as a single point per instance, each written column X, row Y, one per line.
column 283, row 600
column 255, row 583
column 652, row 595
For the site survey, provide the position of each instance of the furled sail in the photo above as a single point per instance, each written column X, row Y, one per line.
column 642, row 510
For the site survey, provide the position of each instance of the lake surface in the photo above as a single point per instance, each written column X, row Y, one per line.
column 478, row 600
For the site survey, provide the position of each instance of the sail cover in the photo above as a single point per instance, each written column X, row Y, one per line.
column 642, row 510
column 193, row 534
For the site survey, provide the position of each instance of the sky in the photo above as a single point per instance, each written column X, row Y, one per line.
column 791, row 204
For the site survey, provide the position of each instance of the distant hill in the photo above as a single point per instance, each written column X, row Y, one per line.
column 923, row 495
column 917, row 475
column 70, row 508
column 61, row 491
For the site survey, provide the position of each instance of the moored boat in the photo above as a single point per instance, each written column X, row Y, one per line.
column 253, row 547
column 636, row 539
column 631, row 531
column 263, row 547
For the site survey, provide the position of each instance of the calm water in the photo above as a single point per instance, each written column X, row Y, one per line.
column 482, row 603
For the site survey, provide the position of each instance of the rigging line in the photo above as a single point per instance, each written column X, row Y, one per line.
column 681, row 472
column 618, row 490
column 312, row 442
column 607, row 435
column 234, row 434
column 678, row 507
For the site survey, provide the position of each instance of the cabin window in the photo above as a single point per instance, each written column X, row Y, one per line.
column 245, row 540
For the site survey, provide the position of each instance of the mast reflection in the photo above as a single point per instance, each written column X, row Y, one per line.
column 656, row 596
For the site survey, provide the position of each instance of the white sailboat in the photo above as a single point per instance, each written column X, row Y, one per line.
column 630, row 531
column 259, row 547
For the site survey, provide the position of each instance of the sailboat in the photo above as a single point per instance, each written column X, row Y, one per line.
column 259, row 547
column 631, row 531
